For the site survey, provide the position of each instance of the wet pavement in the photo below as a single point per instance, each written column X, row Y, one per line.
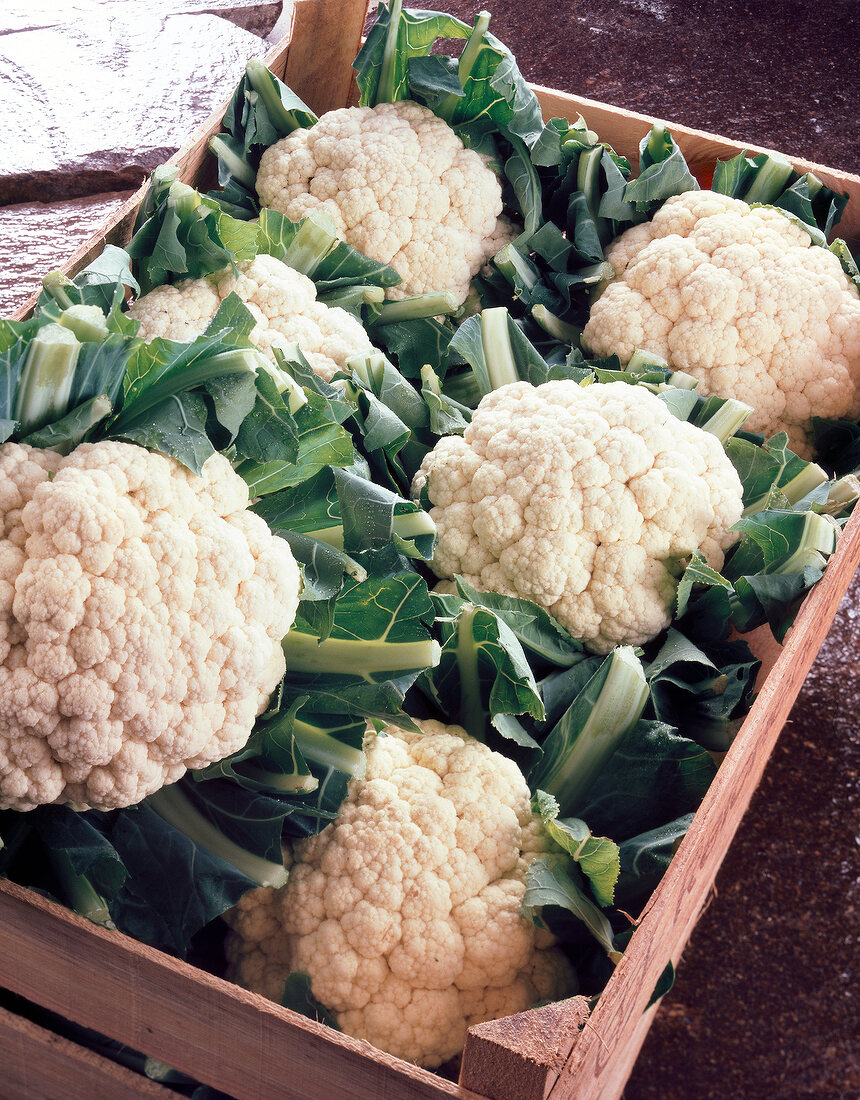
column 42, row 234
column 765, row 1005
column 99, row 93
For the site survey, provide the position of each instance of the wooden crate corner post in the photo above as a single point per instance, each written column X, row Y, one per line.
column 520, row 1057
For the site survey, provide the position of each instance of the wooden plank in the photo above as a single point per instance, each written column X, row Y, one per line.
column 36, row 1063
column 326, row 37
column 519, row 1057
column 211, row 1029
column 625, row 129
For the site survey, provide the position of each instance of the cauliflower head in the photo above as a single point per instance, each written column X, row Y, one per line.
column 575, row 497
column 741, row 299
column 405, row 912
column 282, row 300
column 141, row 615
column 400, row 186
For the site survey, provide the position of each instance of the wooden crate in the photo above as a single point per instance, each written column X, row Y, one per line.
column 254, row 1049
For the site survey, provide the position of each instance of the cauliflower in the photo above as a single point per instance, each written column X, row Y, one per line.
column 141, row 615
column 742, row 300
column 400, row 187
column 282, row 300
column 405, row 912
column 576, row 497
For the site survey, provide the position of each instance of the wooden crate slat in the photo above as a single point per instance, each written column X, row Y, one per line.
column 625, row 129
column 325, row 40
column 216, row 1032
column 520, row 1057
column 39, row 1065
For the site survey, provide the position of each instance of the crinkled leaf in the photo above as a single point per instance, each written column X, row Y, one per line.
column 321, row 442
column 663, row 172
column 697, row 576
column 174, row 887
column 415, row 32
column 233, row 319
column 269, row 432
column 773, row 598
column 597, row 856
column 416, row 343
column 67, row 432
column 233, row 397
column 837, row 444
column 704, row 694
column 538, row 631
column 101, row 368
column 549, row 883
column 482, row 672
column 78, row 839
column 325, row 258
column 177, row 428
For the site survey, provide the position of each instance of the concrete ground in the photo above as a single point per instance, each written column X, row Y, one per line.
column 95, row 93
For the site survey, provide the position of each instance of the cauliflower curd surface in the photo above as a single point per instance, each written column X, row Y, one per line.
column 578, row 498
column 282, row 300
column 400, row 186
column 405, row 912
column 141, row 615
column 741, row 299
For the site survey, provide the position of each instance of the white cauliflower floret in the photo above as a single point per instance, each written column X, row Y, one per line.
column 405, row 912
column 575, row 497
column 282, row 300
column 400, row 187
column 741, row 299
column 142, row 610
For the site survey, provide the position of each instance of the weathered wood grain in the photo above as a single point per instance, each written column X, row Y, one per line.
column 319, row 65
column 39, row 1065
column 213, row 1030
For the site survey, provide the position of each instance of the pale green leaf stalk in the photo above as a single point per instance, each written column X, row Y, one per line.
column 496, row 339
column 728, row 419
column 284, row 381
column 816, row 544
column 316, row 237
column 770, row 180
column 592, row 729
column 409, row 525
column 86, row 322
column 356, row 656
column 58, row 285
column 448, row 104
column 645, row 360
column 46, row 381
column 843, row 495
column 555, row 326
column 80, row 894
column 385, row 88
column 174, row 806
column 435, row 304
